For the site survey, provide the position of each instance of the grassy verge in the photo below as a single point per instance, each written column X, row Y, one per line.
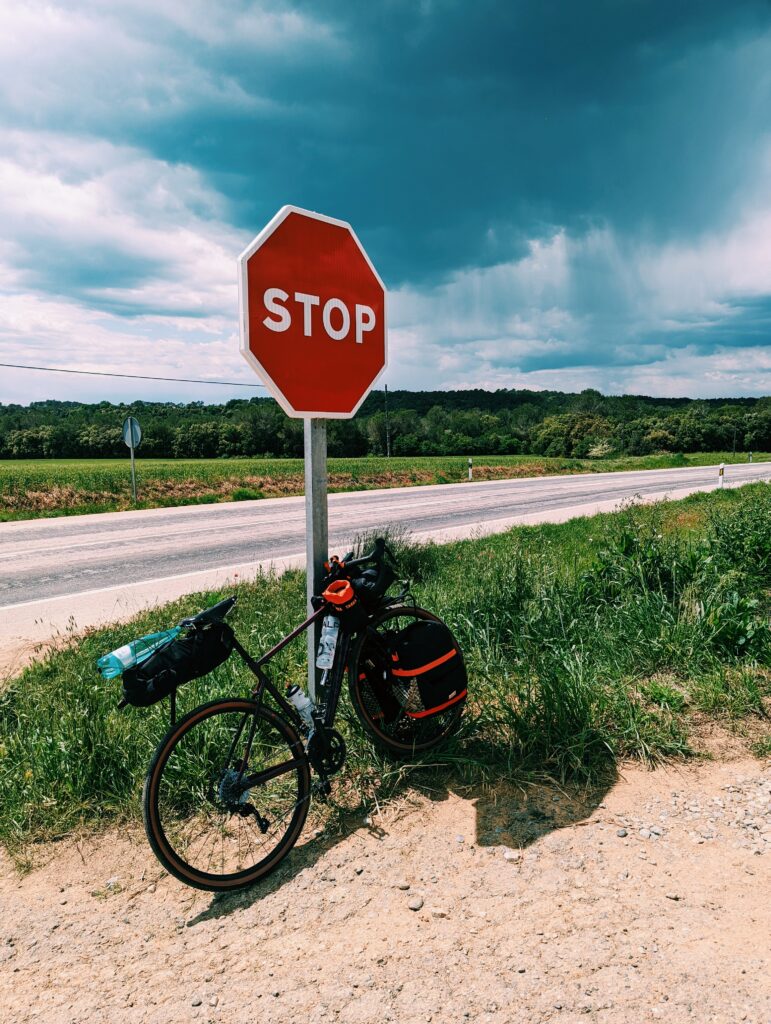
column 594, row 640
column 34, row 488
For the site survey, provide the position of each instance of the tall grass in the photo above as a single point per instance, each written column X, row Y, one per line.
column 586, row 642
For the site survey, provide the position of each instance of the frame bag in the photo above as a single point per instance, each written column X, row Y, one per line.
column 187, row 657
column 427, row 670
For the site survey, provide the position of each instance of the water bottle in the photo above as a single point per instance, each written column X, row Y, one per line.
column 133, row 654
column 304, row 705
column 328, row 642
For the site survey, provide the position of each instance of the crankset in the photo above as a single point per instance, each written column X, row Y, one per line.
column 334, row 758
column 326, row 751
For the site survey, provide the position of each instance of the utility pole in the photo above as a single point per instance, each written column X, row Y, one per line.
column 388, row 429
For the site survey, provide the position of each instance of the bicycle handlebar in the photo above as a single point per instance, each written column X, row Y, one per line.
column 375, row 555
column 373, row 575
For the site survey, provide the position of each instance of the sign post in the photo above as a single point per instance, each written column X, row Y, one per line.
column 316, row 527
column 132, row 435
column 313, row 327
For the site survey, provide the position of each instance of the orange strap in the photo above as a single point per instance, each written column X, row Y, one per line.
column 441, row 707
column 407, row 673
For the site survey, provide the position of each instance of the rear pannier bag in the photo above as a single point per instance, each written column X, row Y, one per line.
column 427, row 670
column 187, row 657
column 376, row 684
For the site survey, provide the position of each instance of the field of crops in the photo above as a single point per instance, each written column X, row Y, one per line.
column 33, row 488
column 587, row 642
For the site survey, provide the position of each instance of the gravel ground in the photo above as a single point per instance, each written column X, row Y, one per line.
column 647, row 900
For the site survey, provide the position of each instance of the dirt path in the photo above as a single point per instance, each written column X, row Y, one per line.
column 651, row 901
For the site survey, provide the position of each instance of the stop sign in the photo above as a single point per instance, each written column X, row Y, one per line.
column 313, row 314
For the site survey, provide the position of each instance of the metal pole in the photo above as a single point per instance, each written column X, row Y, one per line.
column 133, row 475
column 316, row 529
column 388, row 431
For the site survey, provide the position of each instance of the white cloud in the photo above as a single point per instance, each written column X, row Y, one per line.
column 35, row 331
column 594, row 310
column 78, row 204
column 88, row 63
column 84, row 203
column 700, row 278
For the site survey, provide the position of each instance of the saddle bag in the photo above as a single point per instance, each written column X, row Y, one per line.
column 427, row 670
column 189, row 656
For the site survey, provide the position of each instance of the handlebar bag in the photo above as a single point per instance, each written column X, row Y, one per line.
column 188, row 656
column 427, row 670
column 371, row 584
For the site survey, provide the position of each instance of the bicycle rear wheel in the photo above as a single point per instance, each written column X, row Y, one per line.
column 383, row 717
column 204, row 824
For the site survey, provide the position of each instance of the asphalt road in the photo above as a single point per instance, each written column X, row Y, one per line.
column 49, row 558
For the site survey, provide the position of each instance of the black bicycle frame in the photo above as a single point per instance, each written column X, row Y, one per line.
column 331, row 688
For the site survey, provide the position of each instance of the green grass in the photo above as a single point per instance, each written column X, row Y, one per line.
column 587, row 642
column 54, row 487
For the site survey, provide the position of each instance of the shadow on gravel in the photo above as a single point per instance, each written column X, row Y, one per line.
column 518, row 814
column 509, row 813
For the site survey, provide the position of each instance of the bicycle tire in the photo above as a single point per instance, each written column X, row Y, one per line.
column 154, row 796
column 409, row 739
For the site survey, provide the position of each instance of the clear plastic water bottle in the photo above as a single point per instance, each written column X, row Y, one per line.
column 304, row 705
column 133, row 654
column 330, row 628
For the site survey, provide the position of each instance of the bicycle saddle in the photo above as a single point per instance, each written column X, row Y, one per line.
column 216, row 613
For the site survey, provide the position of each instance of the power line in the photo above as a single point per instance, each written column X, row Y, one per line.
column 131, row 376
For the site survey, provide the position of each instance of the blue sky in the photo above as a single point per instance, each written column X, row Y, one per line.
column 557, row 194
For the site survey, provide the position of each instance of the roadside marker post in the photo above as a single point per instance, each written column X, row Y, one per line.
column 470, row 469
column 720, row 474
column 313, row 327
column 750, row 456
column 132, row 435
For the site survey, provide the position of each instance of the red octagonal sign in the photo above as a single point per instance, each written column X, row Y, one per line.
column 313, row 314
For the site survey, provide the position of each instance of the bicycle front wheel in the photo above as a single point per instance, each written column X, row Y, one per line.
column 226, row 795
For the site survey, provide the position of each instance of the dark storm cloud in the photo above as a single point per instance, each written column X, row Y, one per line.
column 450, row 133
column 545, row 186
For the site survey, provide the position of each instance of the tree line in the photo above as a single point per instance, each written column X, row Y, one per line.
column 475, row 422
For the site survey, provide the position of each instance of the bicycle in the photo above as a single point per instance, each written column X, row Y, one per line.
column 228, row 788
